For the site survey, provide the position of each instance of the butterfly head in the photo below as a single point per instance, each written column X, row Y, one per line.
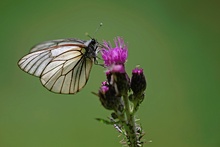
column 91, row 48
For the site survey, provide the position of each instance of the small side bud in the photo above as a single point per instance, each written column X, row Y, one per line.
column 138, row 82
column 108, row 98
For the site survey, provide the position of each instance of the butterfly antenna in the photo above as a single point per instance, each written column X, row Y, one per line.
column 97, row 28
column 87, row 34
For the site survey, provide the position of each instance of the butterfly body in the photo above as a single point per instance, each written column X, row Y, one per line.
column 62, row 65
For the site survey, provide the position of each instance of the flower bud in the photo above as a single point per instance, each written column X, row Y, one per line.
column 108, row 98
column 138, row 82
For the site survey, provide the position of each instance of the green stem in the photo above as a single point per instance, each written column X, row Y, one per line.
column 130, row 125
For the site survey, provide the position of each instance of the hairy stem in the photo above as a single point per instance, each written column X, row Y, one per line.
column 130, row 125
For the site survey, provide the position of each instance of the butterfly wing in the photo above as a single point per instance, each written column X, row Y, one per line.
column 56, row 43
column 34, row 63
column 61, row 65
column 67, row 73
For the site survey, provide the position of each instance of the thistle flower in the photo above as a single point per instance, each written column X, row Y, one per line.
column 114, row 92
column 114, row 56
column 114, row 60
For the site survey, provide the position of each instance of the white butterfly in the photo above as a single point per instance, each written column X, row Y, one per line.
column 63, row 65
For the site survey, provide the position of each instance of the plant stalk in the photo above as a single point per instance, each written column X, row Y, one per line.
column 130, row 126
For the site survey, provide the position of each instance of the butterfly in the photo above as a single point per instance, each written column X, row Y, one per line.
column 62, row 65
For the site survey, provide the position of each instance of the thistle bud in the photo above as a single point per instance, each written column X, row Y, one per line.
column 138, row 82
column 108, row 98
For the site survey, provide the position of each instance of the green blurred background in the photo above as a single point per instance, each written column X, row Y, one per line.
column 176, row 42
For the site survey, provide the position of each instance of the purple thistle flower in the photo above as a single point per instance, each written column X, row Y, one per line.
column 114, row 56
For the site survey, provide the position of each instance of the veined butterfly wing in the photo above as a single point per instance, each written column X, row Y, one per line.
column 63, row 65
